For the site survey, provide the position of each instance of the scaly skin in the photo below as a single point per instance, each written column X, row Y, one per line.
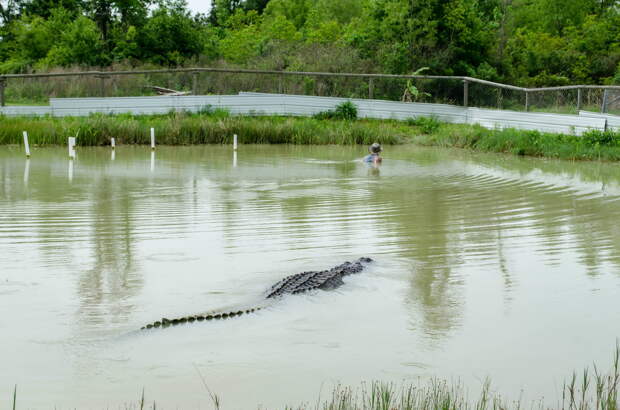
column 294, row 284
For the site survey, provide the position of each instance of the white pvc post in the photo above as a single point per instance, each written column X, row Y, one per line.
column 113, row 143
column 70, row 171
column 26, row 145
column 235, row 142
column 153, row 138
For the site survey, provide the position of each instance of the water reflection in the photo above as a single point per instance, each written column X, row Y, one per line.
column 107, row 286
column 26, row 172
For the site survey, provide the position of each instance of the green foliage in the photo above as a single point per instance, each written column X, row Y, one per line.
column 80, row 43
column 170, row 36
column 428, row 125
column 604, row 138
column 532, row 43
column 344, row 111
column 412, row 93
column 239, row 46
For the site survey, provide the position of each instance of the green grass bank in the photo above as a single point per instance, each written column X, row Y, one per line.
column 218, row 127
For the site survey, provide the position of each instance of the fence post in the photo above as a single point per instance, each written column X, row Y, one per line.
column 578, row 100
column 499, row 98
column 280, row 84
column 371, row 88
column 465, row 93
column 2, row 86
column 527, row 101
column 102, row 84
column 195, row 83
column 604, row 105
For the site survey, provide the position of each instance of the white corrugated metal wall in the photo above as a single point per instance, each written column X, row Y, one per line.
column 301, row 105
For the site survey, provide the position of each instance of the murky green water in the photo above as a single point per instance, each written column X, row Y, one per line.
column 485, row 266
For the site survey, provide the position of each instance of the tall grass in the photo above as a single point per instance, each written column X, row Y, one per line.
column 217, row 127
column 187, row 129
column 592, row 145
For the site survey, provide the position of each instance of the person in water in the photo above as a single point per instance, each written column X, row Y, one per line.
column 374, row 157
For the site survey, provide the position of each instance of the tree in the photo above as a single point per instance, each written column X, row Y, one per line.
column 170, row 35
column 107, row 13
column 43, row 8
column 80, row 43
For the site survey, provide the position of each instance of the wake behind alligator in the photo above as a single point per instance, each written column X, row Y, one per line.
column 294, row 284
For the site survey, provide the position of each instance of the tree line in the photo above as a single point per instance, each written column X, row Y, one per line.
column 524, row 42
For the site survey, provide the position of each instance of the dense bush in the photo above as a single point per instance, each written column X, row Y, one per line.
column 344, row 111
column 428, row 125
column 607, row 138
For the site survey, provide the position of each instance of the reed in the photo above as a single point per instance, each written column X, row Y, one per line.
column 593, row 145
column 187, row 129
column 218, row 127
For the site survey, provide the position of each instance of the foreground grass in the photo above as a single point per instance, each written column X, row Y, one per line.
column 591, row 389
column 218, row 127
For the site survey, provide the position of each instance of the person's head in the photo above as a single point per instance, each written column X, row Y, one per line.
column 375, row 148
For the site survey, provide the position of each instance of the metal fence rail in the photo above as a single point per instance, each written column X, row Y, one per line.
column 300, row 105
column 528, row 93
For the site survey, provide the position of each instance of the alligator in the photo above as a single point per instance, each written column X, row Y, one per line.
column 293, row 284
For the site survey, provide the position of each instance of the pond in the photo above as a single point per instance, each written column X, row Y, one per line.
column 485, row 266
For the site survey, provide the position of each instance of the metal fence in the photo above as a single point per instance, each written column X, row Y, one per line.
column 300, row 105
column 453, row 90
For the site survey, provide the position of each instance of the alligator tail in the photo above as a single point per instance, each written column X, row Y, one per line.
column 165, row 322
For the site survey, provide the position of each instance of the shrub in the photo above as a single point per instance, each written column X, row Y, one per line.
column 428, row 125
column 596, row 137
column 345, row 111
